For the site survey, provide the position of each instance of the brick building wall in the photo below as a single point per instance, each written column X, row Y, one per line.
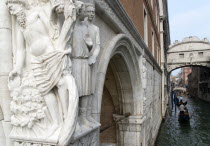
column 185, row 72
column 135, row 10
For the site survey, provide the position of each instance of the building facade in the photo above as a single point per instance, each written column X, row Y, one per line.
column 130, row 75
column 185, row 72
column 199, row 83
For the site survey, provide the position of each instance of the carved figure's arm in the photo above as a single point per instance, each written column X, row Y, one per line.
column 67, row 28
column 98, row 48
column 20, row 52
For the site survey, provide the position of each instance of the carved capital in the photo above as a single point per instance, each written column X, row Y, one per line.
column 132, row 124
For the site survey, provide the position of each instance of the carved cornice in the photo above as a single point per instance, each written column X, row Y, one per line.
column 181, row 43
column 197, row 50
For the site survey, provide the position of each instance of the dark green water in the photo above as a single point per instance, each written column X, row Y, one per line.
column 194, row 133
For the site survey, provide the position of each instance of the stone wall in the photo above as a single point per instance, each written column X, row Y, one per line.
column 153, row 105
column 150, row 124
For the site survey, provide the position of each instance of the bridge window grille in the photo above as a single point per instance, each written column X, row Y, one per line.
column 181, row 55
column 200, row 54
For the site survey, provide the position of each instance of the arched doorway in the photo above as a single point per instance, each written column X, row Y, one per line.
column 117, row 99
column 118, row 91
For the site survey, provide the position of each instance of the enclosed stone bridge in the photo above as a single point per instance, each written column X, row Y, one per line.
column 180, row 89
column 191, row 51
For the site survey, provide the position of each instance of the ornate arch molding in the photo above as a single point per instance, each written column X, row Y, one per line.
column 120, row 45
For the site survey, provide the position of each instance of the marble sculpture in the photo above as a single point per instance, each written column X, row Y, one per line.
column 55, row 47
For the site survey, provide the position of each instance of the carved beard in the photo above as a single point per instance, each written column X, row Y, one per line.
column 21, row 19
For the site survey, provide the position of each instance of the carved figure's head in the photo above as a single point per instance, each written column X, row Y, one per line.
column 90, row 11
column 80, row 8
column 16, row 6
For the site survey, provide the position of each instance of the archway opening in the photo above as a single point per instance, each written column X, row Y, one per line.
column 117, row 99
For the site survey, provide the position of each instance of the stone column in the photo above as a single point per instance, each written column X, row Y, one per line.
column 5, row 68
column 130, row 131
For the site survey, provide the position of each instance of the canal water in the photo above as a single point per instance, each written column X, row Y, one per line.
column 194, row 133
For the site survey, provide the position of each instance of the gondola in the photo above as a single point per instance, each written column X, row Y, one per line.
column 184, row 116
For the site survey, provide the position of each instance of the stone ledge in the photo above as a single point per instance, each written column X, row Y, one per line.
column 83, row 134
column 88, row 138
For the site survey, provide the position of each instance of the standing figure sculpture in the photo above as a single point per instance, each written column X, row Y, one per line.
column 80, row 67
column 85, row 49
column 94, row 34
column 41, row 78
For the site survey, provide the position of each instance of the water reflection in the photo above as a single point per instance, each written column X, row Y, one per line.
column 196, row 132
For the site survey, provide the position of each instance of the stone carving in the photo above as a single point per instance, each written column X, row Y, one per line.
column 6, row 67
column 169, row 68
column 86, row 47
column 144, row 73
column 44, row 84
column 144, row 81
column 44, row 92
column 94, row 34
column 191, row 57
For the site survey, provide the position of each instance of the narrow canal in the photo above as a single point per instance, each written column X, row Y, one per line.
column 194, row 133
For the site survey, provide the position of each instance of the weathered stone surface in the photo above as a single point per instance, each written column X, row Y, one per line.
column 122, row 63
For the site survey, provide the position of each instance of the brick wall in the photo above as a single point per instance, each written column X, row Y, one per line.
column 134, row 9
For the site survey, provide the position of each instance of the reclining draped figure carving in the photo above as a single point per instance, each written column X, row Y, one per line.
column 44, row 93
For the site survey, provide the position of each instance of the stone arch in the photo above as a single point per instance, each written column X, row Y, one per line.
column 121, row 47
column 183, row 65
column 118, row 87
